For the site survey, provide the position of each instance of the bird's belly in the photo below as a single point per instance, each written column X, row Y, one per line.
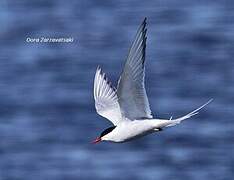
column 132, row 131
column 136, row 136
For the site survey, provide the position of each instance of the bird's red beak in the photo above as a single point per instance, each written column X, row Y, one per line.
column 97, row 140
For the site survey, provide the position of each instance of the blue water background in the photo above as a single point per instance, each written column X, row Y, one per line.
column 47, row 114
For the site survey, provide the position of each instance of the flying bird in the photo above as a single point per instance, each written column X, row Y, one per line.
column 127, row 107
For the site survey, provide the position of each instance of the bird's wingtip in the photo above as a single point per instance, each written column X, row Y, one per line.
column 144, row 21
column 99, row 69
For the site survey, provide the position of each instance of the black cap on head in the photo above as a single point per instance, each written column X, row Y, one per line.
column 108, row 130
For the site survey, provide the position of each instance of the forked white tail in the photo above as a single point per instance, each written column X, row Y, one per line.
column 189, row 115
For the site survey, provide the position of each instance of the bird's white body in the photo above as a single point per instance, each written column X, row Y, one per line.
column 127, row 107
column 129, row 130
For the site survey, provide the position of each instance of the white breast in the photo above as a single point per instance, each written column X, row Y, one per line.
column 130, row 130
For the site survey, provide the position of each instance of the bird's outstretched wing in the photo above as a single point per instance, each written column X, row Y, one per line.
column 106, row 101
column 131, row 91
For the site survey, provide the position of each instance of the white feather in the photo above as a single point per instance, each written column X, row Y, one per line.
column 106, row 100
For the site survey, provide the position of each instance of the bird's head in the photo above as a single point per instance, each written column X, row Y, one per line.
column 102, row 136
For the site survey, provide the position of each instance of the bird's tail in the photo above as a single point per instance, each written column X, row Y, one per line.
column 189, row 115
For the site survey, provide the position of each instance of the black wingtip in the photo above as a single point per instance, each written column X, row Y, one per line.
column 144, row 22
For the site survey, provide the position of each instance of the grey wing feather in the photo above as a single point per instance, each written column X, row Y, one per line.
column 131, row 91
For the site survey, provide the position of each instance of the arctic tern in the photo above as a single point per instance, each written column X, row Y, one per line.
column 127, row 107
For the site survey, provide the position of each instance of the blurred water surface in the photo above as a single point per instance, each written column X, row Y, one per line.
column 47, row 109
